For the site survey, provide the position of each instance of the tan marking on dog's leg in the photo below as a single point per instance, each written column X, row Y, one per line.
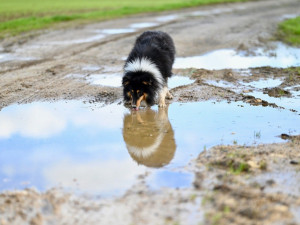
column 162, row 97
column 138, row 102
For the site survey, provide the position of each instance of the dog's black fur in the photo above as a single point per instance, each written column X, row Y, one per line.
column 147, row 68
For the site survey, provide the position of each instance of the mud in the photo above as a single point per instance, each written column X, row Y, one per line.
column 240, row 183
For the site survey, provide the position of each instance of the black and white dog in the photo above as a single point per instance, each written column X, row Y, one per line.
column 147, row 69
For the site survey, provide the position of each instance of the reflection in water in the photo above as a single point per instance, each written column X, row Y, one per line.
column 149, row 137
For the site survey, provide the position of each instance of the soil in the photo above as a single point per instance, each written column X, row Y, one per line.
column 233, row 184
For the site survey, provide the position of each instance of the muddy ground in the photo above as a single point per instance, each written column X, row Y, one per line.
column 233, row 184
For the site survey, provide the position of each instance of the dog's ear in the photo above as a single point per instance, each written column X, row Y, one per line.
column 125, row 81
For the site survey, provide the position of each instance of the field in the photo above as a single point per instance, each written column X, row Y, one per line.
column 17, row 16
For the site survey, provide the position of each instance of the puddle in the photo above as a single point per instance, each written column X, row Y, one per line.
column 286, row 182
column 6, row 57
column 258, row 87
column 260, row 84
column 57, row 144
column 176, row 81
column 283, row 56
column 290, row 103
column 117, row 31
column 91, row 68
column 115, row 80
column 167, row 18
column 143, row 25
column 211, row 12
column 111, row 80
column 288, row 16
column 265, row 83
column 78, row 41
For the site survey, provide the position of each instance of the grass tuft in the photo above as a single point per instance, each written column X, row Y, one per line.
column 289, row 31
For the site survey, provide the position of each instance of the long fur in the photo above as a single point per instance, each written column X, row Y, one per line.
column 148, row 67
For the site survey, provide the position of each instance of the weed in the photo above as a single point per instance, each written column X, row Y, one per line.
column 226, row 209
column 193, row 197
column 239, row 168
column 257, row 134
column 289, row 31
column 263, row 165
column 216, row 218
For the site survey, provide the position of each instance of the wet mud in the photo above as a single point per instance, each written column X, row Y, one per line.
column 224, row 151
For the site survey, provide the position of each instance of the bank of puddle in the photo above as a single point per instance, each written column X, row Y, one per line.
column 259, row 89
column 104, row 149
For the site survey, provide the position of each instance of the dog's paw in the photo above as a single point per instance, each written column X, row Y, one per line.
column 162, row 105
column 169, row 95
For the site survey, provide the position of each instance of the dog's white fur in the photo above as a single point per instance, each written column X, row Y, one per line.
column 145, row 65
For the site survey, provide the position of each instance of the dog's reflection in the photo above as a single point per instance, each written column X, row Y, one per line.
column 149, row 137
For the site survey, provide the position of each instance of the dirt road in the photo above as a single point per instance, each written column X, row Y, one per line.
column 57, row 65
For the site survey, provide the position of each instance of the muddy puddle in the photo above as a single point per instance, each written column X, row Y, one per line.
column 104, row 149
column 281, row 56
column 115, row 80
column 266, row 89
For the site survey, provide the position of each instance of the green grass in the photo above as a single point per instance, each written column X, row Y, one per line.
column 289, row 31
column 17, row 16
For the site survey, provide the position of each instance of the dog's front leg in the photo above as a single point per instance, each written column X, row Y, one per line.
column 169, row 95
column 162, row 97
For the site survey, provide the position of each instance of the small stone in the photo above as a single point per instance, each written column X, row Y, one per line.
column 294, row 162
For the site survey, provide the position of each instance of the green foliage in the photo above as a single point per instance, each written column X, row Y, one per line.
column 17, row 16
column 239, row 168
column 289, row 31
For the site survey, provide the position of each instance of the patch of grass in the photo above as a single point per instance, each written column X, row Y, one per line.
column 293, row 70
column 239, row 168
column 234, row 165
column 289, row 31
column 193, row 197
column 257, row 134
column 263, row 165
column 226, row 209
column 17, row 16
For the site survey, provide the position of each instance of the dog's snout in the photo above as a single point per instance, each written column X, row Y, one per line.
column 134, row 106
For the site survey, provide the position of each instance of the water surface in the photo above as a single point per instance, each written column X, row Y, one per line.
column 103, row 149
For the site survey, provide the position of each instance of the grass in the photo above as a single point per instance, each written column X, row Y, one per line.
column 289, row 31
column 239, row 168
column 17, row 16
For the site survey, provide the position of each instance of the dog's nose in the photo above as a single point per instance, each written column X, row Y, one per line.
column 134, row 107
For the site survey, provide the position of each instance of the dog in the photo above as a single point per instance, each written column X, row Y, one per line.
column 147, row 69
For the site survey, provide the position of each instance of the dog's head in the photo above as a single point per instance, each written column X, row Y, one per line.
column 138, row 87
